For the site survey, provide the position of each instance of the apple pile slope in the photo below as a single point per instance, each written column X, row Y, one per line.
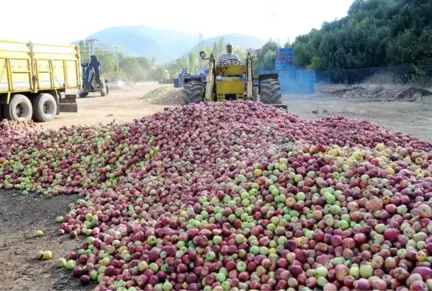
column 236, row 196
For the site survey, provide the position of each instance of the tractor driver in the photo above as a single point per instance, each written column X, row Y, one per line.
column 229, row 57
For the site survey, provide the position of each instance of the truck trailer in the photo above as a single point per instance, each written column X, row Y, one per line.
column 34, row 79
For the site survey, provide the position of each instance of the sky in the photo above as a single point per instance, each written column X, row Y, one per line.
column 70, row 20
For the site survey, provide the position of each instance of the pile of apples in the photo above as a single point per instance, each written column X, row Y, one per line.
column 237, row 196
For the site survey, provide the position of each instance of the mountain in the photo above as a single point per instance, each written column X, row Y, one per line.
column 163, row 44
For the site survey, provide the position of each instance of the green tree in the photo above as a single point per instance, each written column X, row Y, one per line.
column 266, row 58
column 375, row 33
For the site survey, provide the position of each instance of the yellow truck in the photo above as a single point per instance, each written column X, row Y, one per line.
column 34, row 79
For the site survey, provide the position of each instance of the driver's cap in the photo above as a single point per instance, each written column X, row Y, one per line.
column 229, row 44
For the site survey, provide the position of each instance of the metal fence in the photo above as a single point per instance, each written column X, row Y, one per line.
column 381, row 75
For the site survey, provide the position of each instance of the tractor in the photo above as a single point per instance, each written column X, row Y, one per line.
column 232, row 80
column 92, row 79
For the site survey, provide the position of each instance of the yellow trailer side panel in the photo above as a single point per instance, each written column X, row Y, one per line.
column 58, row 73
column 37, row 67
column 43, row 73
column 4, row 85
column 73, row 74
column 21, row 74
column 15, row 63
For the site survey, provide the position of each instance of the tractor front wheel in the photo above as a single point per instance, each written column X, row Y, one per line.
column 193, row 92
column 270, row 91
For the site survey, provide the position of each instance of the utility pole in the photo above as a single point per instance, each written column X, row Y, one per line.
column 118, row 63
column 273, row 3
column 91, row 41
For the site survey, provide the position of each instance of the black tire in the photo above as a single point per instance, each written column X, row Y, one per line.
column 44, row 107
column 83, row 94
column 1, row 113
column 19, row 108
column 270, row 92
column 193, row 92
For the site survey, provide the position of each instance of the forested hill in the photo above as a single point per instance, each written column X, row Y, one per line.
column 374, row 33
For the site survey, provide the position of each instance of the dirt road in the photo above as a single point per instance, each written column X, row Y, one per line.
column 122, row 105
column 20, row 216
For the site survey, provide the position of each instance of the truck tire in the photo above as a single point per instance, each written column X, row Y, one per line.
column 193, row 92
column 19, row 108
column 270, row 91
column 44, row 107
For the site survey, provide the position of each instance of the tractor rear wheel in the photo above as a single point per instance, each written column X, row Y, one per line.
column 193, row 92
column 270, row 91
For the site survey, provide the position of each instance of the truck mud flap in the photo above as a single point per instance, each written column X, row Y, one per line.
column 68, row 103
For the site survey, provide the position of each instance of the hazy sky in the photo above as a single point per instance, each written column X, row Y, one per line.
column 68, row 20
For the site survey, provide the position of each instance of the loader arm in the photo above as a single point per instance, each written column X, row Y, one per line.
column 211, row 80
column 249, row 85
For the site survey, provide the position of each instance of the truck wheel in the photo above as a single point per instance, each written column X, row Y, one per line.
column 193, row 92
column 270, row 91
column 19, row 108
column 83, row 94
column 44, row 107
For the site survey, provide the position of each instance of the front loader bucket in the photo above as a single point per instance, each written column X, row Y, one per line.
column 280, row 106
column 68, row 103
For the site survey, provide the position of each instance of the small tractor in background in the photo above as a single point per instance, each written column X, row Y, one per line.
column 233, row 81
column 92, row 79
